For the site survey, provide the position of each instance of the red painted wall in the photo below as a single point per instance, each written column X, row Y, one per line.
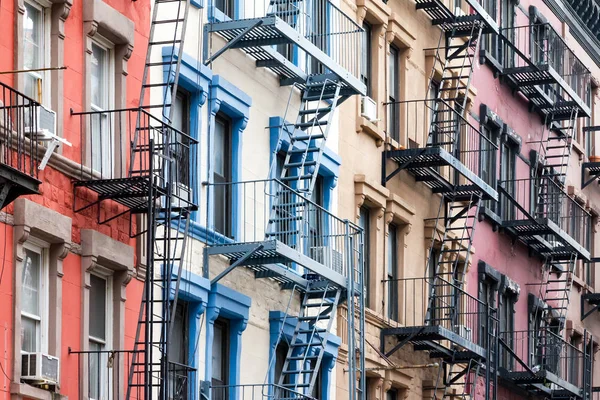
column 56, row 191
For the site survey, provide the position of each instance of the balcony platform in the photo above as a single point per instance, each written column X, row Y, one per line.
column 545, row 237
column 448, row 21
column 256, row 36
column 267, row 258
column 427, row 337
column 536, row 382
column 422, row 163
column 14, row 183
column 593, row 170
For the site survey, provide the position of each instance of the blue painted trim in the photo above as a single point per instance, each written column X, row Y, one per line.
column 216, row 15
column 277, row 327
column 197, row 3
column 228, row 99
column 234, row 306
column 195, row 78
column 194, row 290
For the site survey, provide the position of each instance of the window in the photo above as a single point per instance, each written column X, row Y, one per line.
column 220, row 358
column 36, row 51
column 99, row 335
column 392, row 272
column 391, row 394
column 487, row 296
column 227, row 7
column 589, row 244
column 280, row 357
column 433, row 94
column 319, row 35
column 222, row 176
column 317, row 391
column 33, row 300
column 487, row 160
column 365, row 70
column 364, row 222
column 507, row 176
column 507, row 21
column 574, row 361
column 394, row 95
column 102, row 99
column 315, row 215
column 507, row 326
column 178, row 353
column 181, row 122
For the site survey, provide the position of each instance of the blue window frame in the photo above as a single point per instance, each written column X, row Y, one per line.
column 281, row 330
column 194, row 292
column 225, row 10
column 227, row 312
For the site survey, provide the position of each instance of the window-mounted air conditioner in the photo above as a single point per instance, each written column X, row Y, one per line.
column 464, row 332
column 328, row 257
column 44, row 130
column 368, row 108
column 39, row 368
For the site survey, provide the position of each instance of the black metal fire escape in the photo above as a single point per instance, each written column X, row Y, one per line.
column 150, row 182
column 448, row 163
column 18, row 153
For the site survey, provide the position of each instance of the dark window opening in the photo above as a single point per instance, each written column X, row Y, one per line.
column 220, row 359
column 394, row 94
column 392, row 272
column 222, row 176
column 227, row 7
column 365, row 71
column 364, row 222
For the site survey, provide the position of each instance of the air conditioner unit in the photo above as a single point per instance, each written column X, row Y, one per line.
column 464, row 332
column 41, row 369
column 328, row 257
column 46, row 123
column 368, row 108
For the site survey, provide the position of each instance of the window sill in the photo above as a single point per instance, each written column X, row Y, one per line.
column 32, row 392
column 364, row 125
column 491, row 216
column 491, row 61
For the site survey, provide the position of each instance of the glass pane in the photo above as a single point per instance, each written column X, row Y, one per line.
column 95, row 362
column 217, row 355
column 97, row 308
column 29, row 334
column 101, row 145
column 33, row 29
column 99, row 76
column 31, row 283
column 221, row 155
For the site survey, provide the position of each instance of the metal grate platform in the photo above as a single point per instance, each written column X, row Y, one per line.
column 422, row 163
column 448, row 21
column 14, row 183
column 426, row 337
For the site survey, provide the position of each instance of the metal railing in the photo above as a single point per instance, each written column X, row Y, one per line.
column 110, row 149
column 19, row 130
column 543, row 198
column 103, row 374
column 253, row 211
column 542, row 350
column 540, row 46
column 435, row 123
column 323, row 23
column 255, row 392
column 437, row 302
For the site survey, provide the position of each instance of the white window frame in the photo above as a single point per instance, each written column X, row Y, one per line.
column 42, row 249
column 45, row 7
column 108, row 165
column 106, row 344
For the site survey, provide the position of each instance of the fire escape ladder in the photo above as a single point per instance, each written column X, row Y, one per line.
column 555, row 149
column 167, row 30
column 308, row 136
column 458, row 380
column 454, row 253
column 308, row 343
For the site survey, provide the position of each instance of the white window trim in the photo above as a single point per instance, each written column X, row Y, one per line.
column 45, row 7
column 110, row 93
column 107, row 344
column 41, row 248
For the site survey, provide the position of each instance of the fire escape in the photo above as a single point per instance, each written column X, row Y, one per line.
column 439, row 315
column 136, row 166
column 281, row 232
column 538, row 211
column 18, row 153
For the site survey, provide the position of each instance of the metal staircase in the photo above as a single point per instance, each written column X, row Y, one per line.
column 458, row 381
column 307, row 346
column 308, row 136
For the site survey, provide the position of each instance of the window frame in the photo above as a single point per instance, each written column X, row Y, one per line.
column 183, row 181
column 41, row 248
column 109, row 49
column 225, row 351
column 105, row 384
column 366, row 250
column 228, row 165
column 366, row 66
column 45, row 7
column 394, row 93
column 392, row 272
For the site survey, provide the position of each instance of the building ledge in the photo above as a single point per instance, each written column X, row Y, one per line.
column 23, row 390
